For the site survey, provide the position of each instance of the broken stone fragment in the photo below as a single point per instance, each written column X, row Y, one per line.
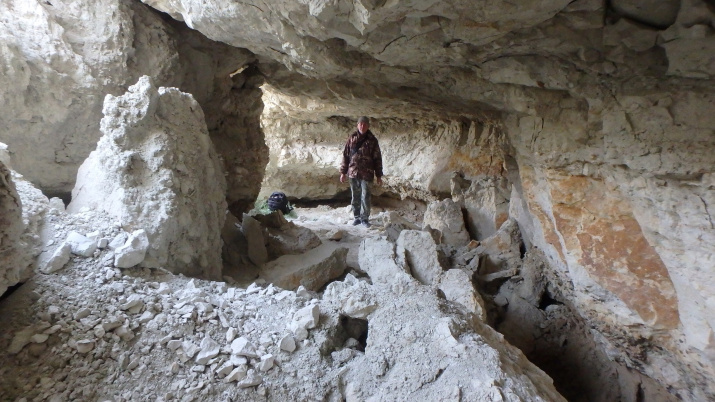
column 287, row 343
column 58, row 260
column 252, row 230
column 224, row 370
column 312, row 270
column 81, row 245
column 231, row 334
column 507, row 273
column 82, row 313
column 146, row 316
column 133, row 251
column 118, row 241
column 57, row 204
column 456, row 285
column 189, row 348
column 164, row 289
column 209, row 350
column 85, row 345
column 21, row 338
column 125, row 333
column 335, row 234
column 242, row 347
column 238, row 360
column 418, row 250
column 266, row 362
column 394, row 225
column 238, row 374
column 39, row 338
column 446, row 216
column 307, row 317
column 252, row 379
column 377, row 258
column 134, row 304
column 173, row 344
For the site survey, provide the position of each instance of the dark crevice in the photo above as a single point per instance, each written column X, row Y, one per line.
column 640, row 395
column 65, row 196
column 355, row 328
column 10, row 290
column 547, row 300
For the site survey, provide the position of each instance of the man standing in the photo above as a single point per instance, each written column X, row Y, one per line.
column 362, row 160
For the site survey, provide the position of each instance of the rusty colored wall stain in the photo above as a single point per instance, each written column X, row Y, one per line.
column 599, row 229
column 490, row 165
column 547, row 226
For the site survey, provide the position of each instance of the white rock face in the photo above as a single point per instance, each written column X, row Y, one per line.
column 312, row 270
column 155, row 169
column 14, row 258
column 425, row 334
column 418, row 250
column 446, row 216
column 133, row 252
column 377, row 257
column 457, row 287
column 23, row 210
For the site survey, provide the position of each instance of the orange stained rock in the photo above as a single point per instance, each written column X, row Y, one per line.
column 547, row 226
column 599, row 229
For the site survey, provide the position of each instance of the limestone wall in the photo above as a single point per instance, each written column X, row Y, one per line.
column 61, row 59
column 624, row 213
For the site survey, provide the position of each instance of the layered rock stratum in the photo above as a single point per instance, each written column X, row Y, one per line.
column 587, row 122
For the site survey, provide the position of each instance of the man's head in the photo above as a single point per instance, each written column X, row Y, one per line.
column 363, row 124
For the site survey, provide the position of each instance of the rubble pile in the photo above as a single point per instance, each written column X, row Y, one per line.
column 92, row 330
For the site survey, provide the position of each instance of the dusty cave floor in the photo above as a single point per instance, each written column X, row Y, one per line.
column 94, row 332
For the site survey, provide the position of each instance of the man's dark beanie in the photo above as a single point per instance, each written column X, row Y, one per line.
column 364, row 119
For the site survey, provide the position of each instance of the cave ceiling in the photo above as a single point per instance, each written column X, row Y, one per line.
column 402, row 58
column 451, row 57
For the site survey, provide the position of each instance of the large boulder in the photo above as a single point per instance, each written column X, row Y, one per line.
column 312, row 270
column 156, row 169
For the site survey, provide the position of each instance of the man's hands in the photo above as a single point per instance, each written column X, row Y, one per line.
column 378, row 179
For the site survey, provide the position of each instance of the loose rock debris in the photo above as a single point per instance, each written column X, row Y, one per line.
column 92, row 331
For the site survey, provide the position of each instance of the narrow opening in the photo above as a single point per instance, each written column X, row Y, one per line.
column 547, row 300
column 355, row 329
column 10, row 290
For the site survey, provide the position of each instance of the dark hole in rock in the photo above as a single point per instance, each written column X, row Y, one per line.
column 355, row 328
column 10, row 290
column 547, row 300
column 66, row 197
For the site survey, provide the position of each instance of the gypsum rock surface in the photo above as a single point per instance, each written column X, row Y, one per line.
column 91, row 331
column 22, row 212
column 434, row 349
column 529, row 310
column 61, row 59
column 155, row 169
column 419, row 155
column 648, row 147
column 15, row 261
